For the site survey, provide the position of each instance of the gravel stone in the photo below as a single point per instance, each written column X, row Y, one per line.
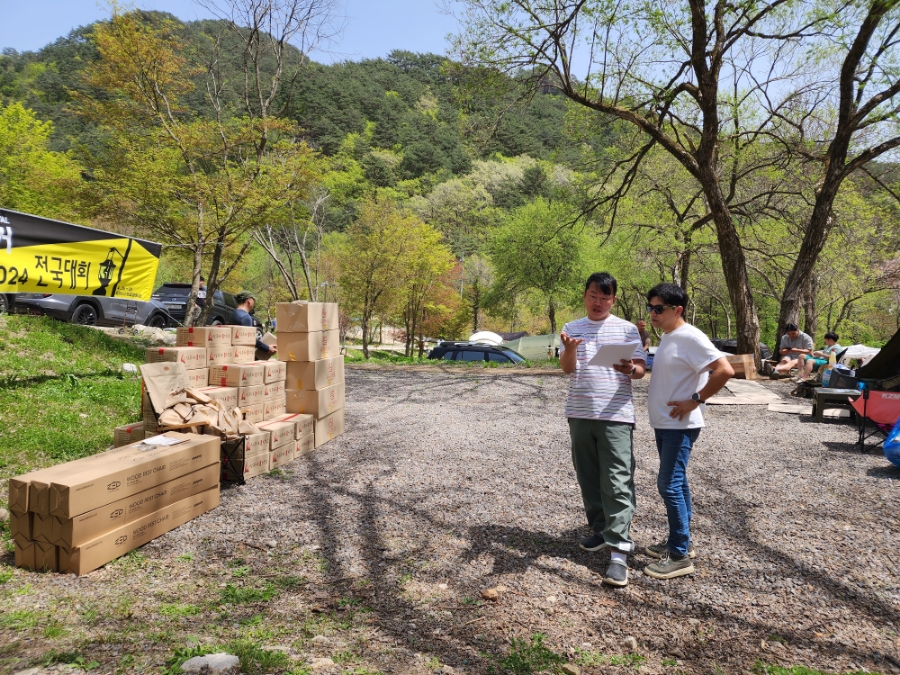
column 212, row 664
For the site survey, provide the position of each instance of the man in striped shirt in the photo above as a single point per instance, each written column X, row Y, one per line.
column 600, row 410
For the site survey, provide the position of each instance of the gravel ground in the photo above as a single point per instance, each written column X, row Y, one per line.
column 450, row 483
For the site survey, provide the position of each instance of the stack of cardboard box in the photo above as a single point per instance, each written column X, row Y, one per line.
column 77, row 516
column 309, row 344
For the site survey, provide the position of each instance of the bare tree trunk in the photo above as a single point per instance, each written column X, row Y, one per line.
column 191, row 308
column 551, row 312
column 810, row 309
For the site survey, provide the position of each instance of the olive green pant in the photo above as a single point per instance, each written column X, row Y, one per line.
column 603, row 455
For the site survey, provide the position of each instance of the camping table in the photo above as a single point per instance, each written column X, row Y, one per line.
column 831, row 398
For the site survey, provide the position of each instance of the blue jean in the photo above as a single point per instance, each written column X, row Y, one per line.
column 674, row 447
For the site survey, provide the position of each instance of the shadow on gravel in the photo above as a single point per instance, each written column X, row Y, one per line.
column 837, row 446
column 889, row 471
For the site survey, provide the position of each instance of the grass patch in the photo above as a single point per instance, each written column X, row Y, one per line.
column 21, row 619
column 255, row 659
column 530, row 656
column 241, row 595
column 765, row 669
column 62, row 390
column 5, row 575
column 69, row 658
column 590, row 659
column 176, row 610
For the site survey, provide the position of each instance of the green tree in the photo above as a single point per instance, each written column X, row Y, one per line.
column 540, row 250
column 33, row 178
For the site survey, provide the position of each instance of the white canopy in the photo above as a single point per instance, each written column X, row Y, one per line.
column 486, row 337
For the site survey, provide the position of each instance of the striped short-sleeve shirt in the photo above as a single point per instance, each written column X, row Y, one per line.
column 595, row 392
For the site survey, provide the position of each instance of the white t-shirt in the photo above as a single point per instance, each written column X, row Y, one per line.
column 599, row 393
column 680, row 368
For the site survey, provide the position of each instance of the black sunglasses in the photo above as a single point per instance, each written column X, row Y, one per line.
column 659, row 309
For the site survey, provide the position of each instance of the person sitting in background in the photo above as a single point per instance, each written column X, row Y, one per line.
column 819, row 358
column 246, row 303
column 794, row 343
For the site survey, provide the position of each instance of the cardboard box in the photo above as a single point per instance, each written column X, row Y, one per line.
column 198, row 377
column 20, row 488
column 304, row 446
column 46, row 557
column 311, row 375
column 256, row 444
column 744, row 366
column 243, row 335
column 330, row 427
column 190, row 357
column 308, row 346
column 147, row 465
column 304, row 425
column 273, row 409
column 254, row 413
column 281, row 455
column 227, row 396
column 21, row 526
column 238, row 375
column 253, row 395
column 319, row 403
column 42, row 528
column 281, row 433
column 97, row 552
column 275, row 371
column 128, row 433
column 25, row 554
column 255, row 465
column 306, row 317
column 72, row 532
column 273, row 391
column 208, row 336
column 243, row 354
column 219, row 355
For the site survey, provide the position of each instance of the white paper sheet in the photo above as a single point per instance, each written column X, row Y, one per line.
column 611, row 355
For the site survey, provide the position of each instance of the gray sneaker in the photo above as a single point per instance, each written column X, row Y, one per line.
column 669, row 566
column 593, row 543
column 656, row 550
column 616, row 574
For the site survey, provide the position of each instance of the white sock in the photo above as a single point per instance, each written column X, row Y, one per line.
column 619, row 557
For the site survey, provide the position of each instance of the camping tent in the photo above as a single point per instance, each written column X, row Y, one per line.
column 885, row 365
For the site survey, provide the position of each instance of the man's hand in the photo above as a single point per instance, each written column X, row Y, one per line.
column 570, row 342
column 272, row 349
column 568, row 360
column 682, row 408
column 625, row 366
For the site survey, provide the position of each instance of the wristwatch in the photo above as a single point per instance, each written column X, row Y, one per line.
column 696, row 397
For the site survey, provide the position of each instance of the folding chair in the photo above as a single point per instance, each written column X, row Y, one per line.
column 877, row 413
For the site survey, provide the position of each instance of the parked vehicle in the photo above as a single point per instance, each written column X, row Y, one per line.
column 730, row 347
column 474, row 351
column 92, row 310
column 7, row 303
column 175, row 296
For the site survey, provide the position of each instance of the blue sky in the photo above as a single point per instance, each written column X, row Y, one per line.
column 374, row 27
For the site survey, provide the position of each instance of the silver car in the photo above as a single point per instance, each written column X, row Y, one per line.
column 91, row 310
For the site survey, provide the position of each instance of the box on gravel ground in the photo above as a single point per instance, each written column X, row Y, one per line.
column 329, row 427
column 304, row 446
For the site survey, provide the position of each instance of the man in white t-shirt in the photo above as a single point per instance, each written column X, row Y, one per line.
column 687, row 370
column 600, row 410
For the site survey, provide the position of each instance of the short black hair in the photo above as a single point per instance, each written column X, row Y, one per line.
column 670, row 294
column 831, row 335
column 788, row 327
column 605, row 281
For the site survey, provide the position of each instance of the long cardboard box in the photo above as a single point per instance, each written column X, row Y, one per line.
column 97, row 552
column 129, row 473
column 330, row 427
column 191, row 357
column 219, row 355
column 311, row 375
column 46, row 557
column 243, row 335
column 25, row 554
column 306, row 317
column 238, row 375
column 207, row 336
column 76, row 531
column 308, row 346
column 318, row 403
column 128, row 433
column 21, row 526
column 273, row 391
column 304, row 425
column 42, row 528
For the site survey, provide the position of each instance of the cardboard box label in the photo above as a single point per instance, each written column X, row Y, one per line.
column 281, row 455
column 311, row 375
column 304, row 446
column 253, row 395
column 227, row 396
column 308, row 346
column 207, row 336
column 238, row 375
column 243, row 335
column 275, row 371
column 280, row 433
column 304, row 424
column 190, row 357
column 306, row 317
column 318, row 403
column 219, row 355
column 243, row 353
column 273, row 409
column 330, row 427
column 256, row 444
column 256, row 465
column 198, row 377
column 97, row 552
column 273, row 391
